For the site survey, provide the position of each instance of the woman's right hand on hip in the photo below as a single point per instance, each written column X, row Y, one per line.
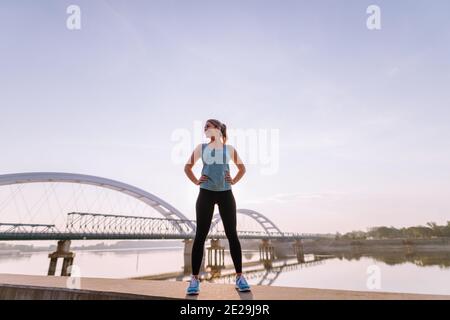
column 202, row 179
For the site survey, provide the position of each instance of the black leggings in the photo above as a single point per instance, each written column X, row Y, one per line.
column 204, row 210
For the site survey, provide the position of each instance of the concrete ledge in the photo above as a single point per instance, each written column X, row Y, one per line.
column 55, row 288
column 17, row 292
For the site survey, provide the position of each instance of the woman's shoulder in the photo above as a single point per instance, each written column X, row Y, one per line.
column 229, row 147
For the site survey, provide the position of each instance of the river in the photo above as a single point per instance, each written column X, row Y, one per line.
column 393, row 273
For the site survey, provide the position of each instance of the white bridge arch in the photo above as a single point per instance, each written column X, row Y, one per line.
column 153, row 201
column 265, row 223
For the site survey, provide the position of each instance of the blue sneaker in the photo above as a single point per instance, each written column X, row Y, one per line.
column 194, row 286
column 242, row 284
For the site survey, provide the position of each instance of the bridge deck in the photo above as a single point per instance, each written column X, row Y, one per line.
column 124, row 236
column 48, row 287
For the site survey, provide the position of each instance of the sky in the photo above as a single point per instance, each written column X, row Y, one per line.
column 356, row 119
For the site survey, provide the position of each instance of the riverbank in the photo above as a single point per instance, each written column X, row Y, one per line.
column 330, row 245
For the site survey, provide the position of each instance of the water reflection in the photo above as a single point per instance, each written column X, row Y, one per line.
column 421, row 259
column 263, row 271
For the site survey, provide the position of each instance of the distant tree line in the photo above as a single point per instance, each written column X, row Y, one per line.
column 431, row 230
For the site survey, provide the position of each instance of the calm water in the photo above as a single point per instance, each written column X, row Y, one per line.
column 424, row 273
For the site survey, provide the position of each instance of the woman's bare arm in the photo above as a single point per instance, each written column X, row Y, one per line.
column 196, row 154
column 240, row 165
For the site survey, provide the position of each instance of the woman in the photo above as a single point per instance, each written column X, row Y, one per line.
column 215, row 187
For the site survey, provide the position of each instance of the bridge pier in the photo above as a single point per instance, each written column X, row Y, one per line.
column 218, row 251
column 266, row 250
column 298, row 250
column 62, row 251
column 268, row 264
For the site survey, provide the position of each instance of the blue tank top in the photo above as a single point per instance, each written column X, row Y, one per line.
column 215, row 165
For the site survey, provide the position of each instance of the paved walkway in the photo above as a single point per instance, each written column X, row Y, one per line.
column 48, row 287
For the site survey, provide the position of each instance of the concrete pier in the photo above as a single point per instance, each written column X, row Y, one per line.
column 298, row 249
column 216, row 253
column 62, row 251
column 47, row 287
column 266, row 250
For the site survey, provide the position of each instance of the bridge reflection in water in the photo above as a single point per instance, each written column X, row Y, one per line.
column 263, row 271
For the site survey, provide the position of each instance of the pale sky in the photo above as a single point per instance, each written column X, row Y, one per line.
column 363, row 116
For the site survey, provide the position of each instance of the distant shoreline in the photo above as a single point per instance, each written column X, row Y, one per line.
column 322, row 245
column 121, row 245
column 310, row 246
